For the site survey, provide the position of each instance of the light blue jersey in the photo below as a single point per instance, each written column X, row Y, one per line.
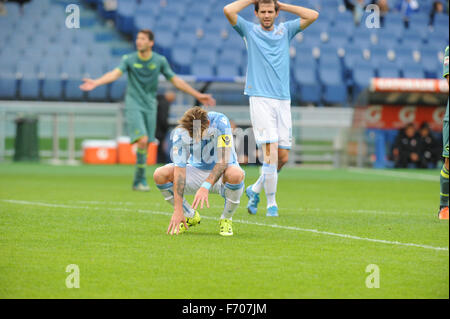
column 268, row 58
column 203, row 154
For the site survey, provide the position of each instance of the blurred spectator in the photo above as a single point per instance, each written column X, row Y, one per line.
column 437, row 8
column 2, row 8
column 358, row 11
column 407, row 8
column 430, row 148
column 162, row 123
column 384, row 9
column 406, row 148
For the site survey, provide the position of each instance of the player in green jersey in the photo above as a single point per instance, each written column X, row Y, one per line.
column 144, row 68
column 443, row 211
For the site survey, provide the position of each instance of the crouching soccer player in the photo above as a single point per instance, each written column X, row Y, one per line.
column 204, row 161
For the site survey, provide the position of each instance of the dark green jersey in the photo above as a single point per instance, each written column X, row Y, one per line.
column 445, row 74
column 143, row 79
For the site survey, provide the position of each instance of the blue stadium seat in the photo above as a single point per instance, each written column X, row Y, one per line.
column 430, row 61
column 93, row 69
column 29, row 85
column 411, row 39
column 125, row 15
column 387, row 39
column 202, row 70
column 363, row 72
column 307, row 82
column 441, row 19
column 388, row 70
column 118, row 89
column 52, row 83
column 8, row 85
column 225, row 70
column 181, row 60
column 331, row 77
column 205, row 57
column 404, row 56
column 413, row 71
column 378, row 55
column 164, row 42
column 231, row 57
column 74, row 73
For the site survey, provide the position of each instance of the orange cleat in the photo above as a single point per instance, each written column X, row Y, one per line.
column 443, row 214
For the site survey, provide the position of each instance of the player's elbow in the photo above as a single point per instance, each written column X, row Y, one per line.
column 314, row 15
column 226, row 11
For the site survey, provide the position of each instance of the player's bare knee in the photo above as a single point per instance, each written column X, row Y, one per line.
column 163, row 175
column 234, row 175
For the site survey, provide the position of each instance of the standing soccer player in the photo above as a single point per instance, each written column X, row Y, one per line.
column 144, row 68
column 204, row 161
column 443, row 210
column 267, row 84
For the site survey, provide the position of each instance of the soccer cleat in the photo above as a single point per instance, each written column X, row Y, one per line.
column 141, row 185
column 226, row 228
column 190, row 221
column 443, row 214
column 272, row 211
column 253, row 200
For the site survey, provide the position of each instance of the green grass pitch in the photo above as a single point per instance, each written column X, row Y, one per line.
column 332, row 225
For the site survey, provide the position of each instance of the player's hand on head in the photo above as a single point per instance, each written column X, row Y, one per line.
column 200, row 198
column 175, row 222
column 88, row 85
column 207, row 100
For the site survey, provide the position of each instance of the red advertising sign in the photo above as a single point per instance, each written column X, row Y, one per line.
column 396, row 117
column 409, row 85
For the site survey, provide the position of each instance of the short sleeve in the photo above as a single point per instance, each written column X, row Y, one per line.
column 166, row 70
column 123, row 66
column 242, row 26
column 446, row 63
column 293, row 27
column 180, row 147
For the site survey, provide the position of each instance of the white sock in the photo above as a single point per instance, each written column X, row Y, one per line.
column 258, row 184
column 270, row 183
column 167, row 192
column 233, row 193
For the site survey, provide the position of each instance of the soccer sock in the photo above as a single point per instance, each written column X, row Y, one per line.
column 258, row 184
column 141, row 163
column 270, row 183
column 233, row 193
column 444, row 187
column 167, row 192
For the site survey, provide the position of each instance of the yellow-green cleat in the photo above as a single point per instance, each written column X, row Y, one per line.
column 190, row 222
column 226, row 227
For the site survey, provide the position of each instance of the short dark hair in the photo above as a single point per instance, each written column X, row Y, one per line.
column 148, row 33
column 275, row 2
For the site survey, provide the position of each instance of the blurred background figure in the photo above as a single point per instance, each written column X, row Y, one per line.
column 437, row 8
column 406, row 148
column 358, row 11
column 384, row 9
column 162, row 124
column 407, row 8
column 429, row 146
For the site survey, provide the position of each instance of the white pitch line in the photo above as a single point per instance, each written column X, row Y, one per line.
column 422, row 177
column 315, row 231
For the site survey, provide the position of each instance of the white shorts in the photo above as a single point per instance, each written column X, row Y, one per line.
column 271, row 121
column 195, row 178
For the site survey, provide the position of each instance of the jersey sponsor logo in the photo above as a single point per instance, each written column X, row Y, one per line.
column 224, row 141
column 152, row 66
column 138, row 66
column 446, row 61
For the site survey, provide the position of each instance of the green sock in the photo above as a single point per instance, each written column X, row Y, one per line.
column 444, row 187
column 141, row 164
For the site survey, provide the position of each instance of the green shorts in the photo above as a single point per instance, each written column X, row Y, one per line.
column 140, row 124
column 445, row 139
